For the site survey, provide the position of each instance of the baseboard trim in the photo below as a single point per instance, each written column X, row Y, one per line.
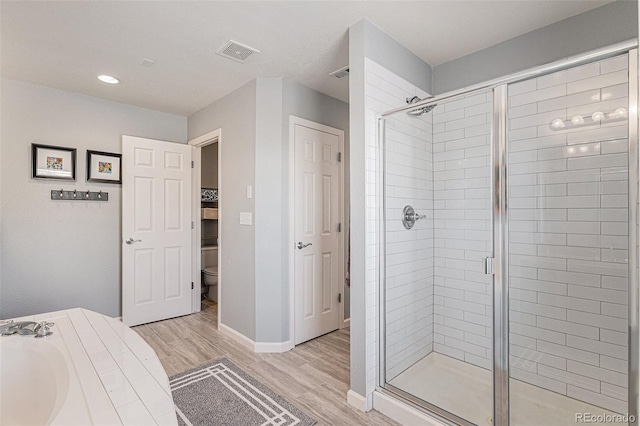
column 273, row 347
column 356, row 400
column 401, row 412
column 257, row 347
column 237, row 336
column 346, row 323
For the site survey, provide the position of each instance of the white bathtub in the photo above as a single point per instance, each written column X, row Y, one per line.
column 39, row 383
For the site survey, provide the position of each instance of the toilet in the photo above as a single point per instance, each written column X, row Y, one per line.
column 210, row 271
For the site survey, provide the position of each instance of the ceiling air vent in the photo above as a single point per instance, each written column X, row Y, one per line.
column 342, row 72
column 236, row 51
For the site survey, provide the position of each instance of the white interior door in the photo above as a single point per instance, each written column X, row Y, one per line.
column 156, row 230
column 318, row 260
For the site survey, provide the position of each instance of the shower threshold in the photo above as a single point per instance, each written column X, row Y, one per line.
column 466, row 391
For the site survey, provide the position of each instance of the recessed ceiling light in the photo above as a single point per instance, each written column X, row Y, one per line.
column 108, row 79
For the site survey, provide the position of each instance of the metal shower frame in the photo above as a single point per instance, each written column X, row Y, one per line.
column 498, row 138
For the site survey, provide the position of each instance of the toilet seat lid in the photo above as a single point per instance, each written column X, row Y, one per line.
column 211, row 270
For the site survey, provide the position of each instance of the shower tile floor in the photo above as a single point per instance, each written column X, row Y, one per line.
column 466, row 390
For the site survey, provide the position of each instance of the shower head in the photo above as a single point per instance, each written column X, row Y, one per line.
column 419, row 111
column 422, row 111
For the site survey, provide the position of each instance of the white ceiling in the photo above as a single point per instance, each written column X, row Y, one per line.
column 67, row 44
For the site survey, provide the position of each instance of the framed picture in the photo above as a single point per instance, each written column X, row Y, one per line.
column 103, row 167
column 53, row 162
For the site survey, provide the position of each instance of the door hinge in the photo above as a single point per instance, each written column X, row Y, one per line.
column 339, row 227
column 339, row 297
column 192, row 225
column 339, row 157
column 192, row 165
column 191, row 285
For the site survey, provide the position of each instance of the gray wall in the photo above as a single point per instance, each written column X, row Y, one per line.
column 309, row 104
column 387, row 52
column 357, row 205
column 209, row 171
column 235, row 114
column 614, row 22
column 255, row 151
column 272, row 308
column 56, row 254
column 277, row 100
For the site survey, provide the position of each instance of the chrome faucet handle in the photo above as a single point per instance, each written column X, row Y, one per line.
column 18, row 327
column 8, row 328
column 43, row 330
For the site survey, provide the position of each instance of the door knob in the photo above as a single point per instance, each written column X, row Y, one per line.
column 132, row 241
column 301, row 246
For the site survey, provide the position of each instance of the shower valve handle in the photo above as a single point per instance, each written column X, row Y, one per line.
column 409, row 217
column 415, row 216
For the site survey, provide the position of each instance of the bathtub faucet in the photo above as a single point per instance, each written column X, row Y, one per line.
column 43, row 330
column 29, row 328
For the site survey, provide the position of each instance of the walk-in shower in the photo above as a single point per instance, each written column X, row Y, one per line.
column 512, row 296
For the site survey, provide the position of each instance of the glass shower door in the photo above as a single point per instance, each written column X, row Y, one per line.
column 542, row 176
column 438, row 303
column 568, row 245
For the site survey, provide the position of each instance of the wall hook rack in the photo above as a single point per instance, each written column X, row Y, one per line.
column 61, row 194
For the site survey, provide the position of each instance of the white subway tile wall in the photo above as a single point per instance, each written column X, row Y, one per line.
column 568, row 234
column 462, row 229
column 409, row 253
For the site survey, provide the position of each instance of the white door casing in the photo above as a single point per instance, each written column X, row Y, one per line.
column 319, row 266
column 156, row 230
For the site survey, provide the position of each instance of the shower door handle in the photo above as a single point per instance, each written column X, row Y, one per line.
column 488, row 265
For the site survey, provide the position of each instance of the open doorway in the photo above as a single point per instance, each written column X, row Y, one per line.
column 206, row 220
column 209, row 230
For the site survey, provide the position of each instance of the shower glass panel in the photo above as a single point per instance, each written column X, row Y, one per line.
column 568, row 228
column 437, row 302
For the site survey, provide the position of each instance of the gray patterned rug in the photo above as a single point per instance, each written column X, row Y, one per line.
column 222, row 394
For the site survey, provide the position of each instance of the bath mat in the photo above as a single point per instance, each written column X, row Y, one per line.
column 221, row 394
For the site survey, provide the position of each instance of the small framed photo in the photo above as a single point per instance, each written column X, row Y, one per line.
column 53, row 162
column 103, row 167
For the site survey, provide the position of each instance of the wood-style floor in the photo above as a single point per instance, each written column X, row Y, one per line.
column 314, row 375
